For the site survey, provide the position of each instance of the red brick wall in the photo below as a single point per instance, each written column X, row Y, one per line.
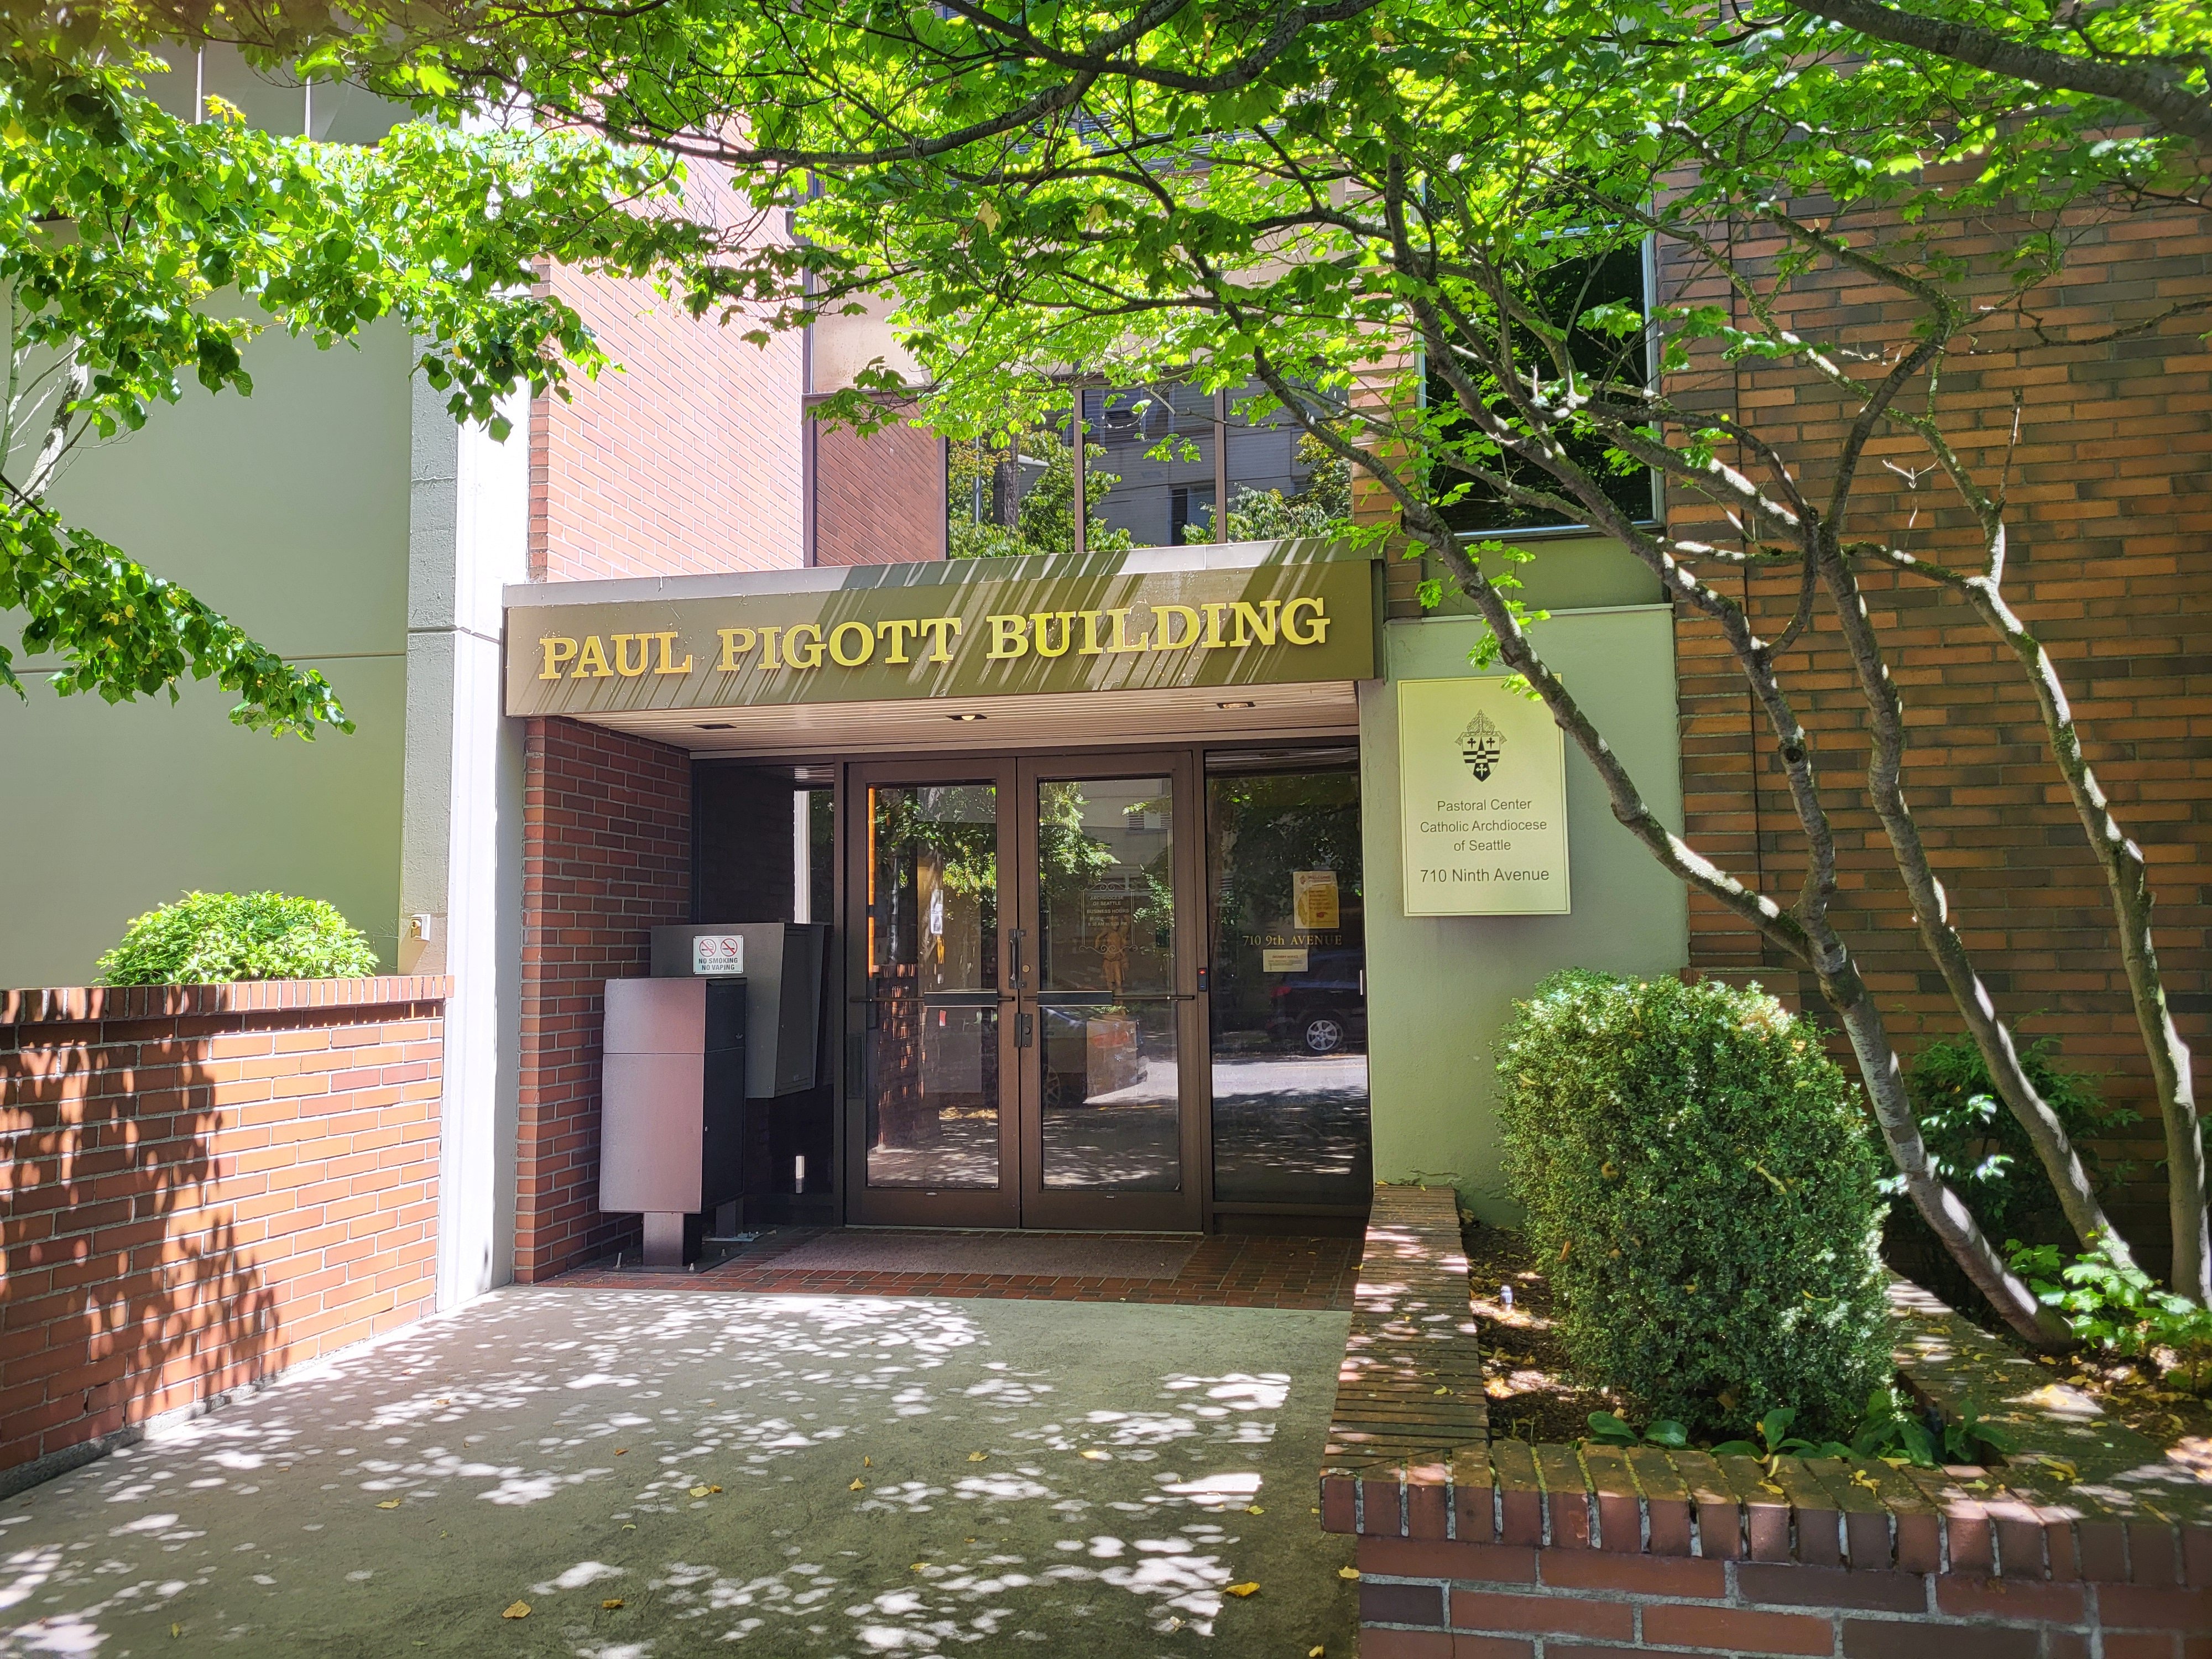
column 686, row 461
column 2111, row 565
column 204, row 1185
column 606, row 857
column 1449, row 1599
column 878, row 500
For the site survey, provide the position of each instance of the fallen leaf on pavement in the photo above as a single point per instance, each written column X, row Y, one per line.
column 1443, row 1390
column 176, row 1629
column 1098, row 1456
column 389, row 1504
column 611, row 1603
column 977, row 1457
column 867, row 1462
column 1316, row 1651
column 918, row 1566
column 698, row 1492
column 1347, row 1572
column 858, row 1485
column 622, row 1451
column 1242, row 1591
column 519, row 1610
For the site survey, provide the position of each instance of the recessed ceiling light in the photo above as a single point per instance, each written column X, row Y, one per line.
column 1237, row 705
column 967, row 717
column 716, row 725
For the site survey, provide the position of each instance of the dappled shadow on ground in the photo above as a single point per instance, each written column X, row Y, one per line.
column 791, row 1475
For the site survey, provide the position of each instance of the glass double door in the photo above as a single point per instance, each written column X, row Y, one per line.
column 1025, row 993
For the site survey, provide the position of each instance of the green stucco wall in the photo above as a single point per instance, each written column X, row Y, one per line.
column 287, row 510
column 1438, row 988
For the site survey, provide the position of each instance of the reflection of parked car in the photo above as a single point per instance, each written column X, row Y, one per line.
column 1323, row 1010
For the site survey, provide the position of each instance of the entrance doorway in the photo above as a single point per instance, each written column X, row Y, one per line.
column 1025, row 968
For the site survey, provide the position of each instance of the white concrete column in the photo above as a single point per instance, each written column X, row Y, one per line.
column 461, row 839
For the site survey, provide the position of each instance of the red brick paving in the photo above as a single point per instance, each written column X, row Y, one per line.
column 1225, row 1270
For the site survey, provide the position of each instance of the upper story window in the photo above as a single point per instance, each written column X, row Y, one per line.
column 1571, row 289
column 1159, row 460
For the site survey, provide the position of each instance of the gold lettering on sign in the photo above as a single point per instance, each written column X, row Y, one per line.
column 1211, row 625
column 901, row 633
column 1315, row 634
column 937, row 628
column 1044, row 619
column 1264, row 626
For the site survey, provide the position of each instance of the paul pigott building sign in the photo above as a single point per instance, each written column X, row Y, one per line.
column 1097, row 627
column 1483, row 793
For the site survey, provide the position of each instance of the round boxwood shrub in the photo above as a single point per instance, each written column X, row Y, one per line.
column 205, row 938
column 1700, row 1188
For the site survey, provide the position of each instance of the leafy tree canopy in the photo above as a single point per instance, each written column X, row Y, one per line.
column 138, row 251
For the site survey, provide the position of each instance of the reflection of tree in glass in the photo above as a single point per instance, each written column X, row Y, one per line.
column 1324, row 507
column 958, row 827
column 982, row 484
column 1073, row 861
column 1269, row 824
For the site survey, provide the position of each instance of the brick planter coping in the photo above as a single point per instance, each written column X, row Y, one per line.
column 1409, row 1455
column 78, row 1004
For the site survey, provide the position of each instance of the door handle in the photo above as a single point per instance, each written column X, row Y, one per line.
column 1024, row 1029
column 1014, row 971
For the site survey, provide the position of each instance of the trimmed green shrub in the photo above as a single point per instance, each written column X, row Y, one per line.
column 1700, row 1188
column 206, row 939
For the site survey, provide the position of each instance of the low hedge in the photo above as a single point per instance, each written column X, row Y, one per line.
column 1696, row 1179
column 210, row 939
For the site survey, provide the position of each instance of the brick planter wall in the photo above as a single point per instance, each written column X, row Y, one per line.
column 204, row 1184
column 1474, row 1549
column 606, row 857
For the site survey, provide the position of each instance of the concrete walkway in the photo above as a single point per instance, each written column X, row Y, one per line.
column 672, row 1472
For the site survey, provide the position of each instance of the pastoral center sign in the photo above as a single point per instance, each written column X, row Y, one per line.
column 1482, row 781
column 934, row 631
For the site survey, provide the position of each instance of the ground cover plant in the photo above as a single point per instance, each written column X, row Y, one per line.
column 208, row 938
column 1699, row 1188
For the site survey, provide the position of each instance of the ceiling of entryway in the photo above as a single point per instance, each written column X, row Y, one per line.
column 929, row 725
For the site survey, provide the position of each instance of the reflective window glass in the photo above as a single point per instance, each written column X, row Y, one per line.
column 1288, row 994
column 932, row 956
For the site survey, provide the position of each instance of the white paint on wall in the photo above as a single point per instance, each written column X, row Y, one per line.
column 461, row 843
column 1439, row 987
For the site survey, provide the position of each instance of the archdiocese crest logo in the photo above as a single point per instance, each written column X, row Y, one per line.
column 1482, row 742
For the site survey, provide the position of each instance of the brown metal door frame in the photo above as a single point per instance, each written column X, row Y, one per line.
column 1182, row 1209
column 921, row 1207
column 1021, row 1198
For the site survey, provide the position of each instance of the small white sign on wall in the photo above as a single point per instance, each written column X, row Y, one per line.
column 1482, row 789
column 718, row 953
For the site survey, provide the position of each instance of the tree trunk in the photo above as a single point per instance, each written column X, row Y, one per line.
column 2054, row 1148
column 2128, row 875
